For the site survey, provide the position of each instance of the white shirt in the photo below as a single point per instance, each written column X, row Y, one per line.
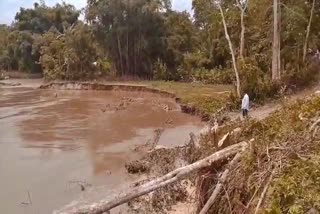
column 245, row 102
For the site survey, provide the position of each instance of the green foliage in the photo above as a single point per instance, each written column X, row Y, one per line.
column 255, row 82
column 147, row 39
column 207, row 104
column 213, row 76
column 181, row 39
column 19, row 49
column 255, row 71
column 70, row 56
column 105, row 66
column 131, row 33
column 297, row 190
column 160, row 71
column 41, row 18
column 203, row 98
column 303, row 76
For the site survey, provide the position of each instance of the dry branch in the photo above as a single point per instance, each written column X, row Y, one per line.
column 314, row 124
column 263, row 194
column 174, row 176
column 221, row 142
column 219, row 186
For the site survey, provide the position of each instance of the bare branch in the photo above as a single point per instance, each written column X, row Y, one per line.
column 263, row 194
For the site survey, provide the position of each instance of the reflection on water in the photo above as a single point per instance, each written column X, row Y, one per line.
column 50, row 139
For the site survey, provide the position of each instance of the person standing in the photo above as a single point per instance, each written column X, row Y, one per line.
column 245, row 106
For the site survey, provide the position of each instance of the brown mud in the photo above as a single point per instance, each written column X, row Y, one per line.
column 185, row 108
column 60, row 145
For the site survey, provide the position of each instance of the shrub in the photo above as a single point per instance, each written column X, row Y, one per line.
column 160, row 71
column 255, row 82
column 295, row 77
column 70, row 56
column 212, row 76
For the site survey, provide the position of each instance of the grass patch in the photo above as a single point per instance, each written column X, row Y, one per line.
column 205, row 98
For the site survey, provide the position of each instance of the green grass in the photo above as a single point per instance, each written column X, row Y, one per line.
column 206, row 98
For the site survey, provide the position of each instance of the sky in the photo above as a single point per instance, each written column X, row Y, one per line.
column 9, row 8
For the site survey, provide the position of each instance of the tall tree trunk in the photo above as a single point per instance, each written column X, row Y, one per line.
column 243, row 7
column 279, row 38
column 231, row 50
column 276, row 45
column 128, row 61
column 243, row 29
column 128, row 17
column 120, row 54
column 134, row 58
column 139, row 47
column 305, row 47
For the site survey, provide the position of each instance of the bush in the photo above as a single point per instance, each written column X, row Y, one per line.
column 160, row 71
column 217, row 76
column 295, row 77
column 68, row 57
column 255, row 82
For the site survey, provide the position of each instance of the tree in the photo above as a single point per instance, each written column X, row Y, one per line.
column 308, row 31
column 180, row 40
column 234, row 62
column 69, row 56
column 212, row 45
column 41, row 18
column 242, row 5
column 4, row 55
column 131, row 32
column 17, row 48
column 276, row 66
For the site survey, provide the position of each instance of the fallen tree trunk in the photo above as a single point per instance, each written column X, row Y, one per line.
column 174, row 176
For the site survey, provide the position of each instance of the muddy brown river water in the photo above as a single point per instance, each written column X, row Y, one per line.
column 53, row 141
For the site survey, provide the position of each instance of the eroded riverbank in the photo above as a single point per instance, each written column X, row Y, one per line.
column 54, row 142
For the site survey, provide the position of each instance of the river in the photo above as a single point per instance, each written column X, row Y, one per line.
column 53, row 142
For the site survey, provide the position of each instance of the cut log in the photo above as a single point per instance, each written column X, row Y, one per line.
column 174, row 176
column 219, row 186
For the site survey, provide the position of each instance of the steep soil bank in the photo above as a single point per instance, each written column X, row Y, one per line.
column 104, row 87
